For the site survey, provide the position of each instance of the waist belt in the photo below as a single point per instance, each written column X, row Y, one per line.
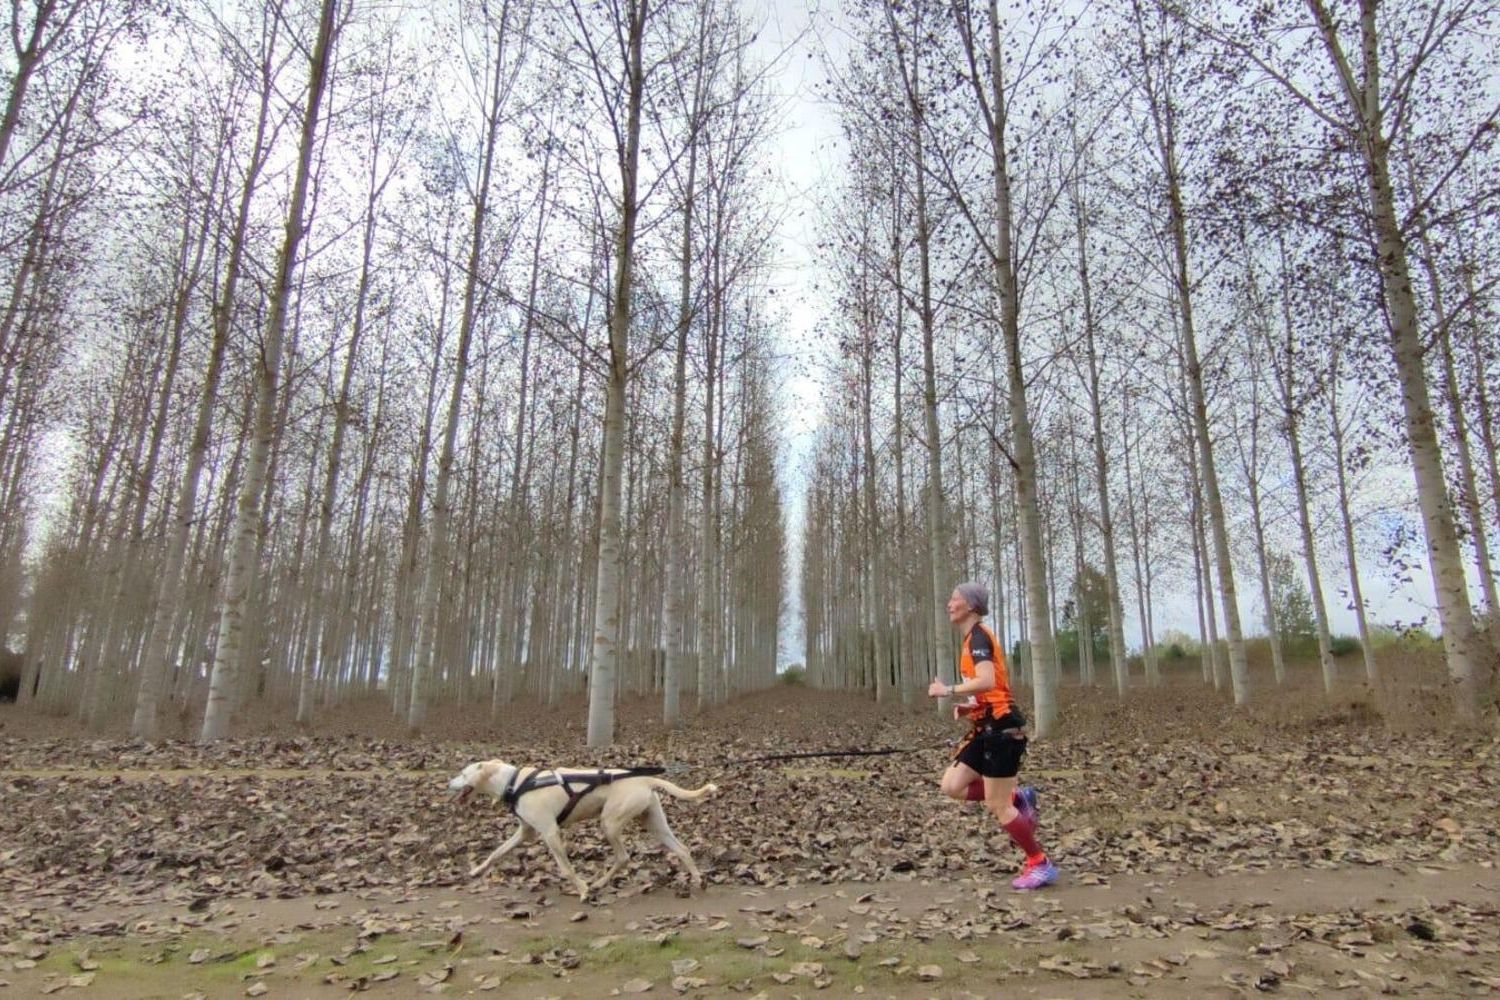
column 1009, row 732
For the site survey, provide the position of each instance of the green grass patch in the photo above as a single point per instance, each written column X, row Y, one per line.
column 724, row 962
column 150, row 968
column 138, row 969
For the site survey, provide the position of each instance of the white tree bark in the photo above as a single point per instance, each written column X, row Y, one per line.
column 1356, row 592
column 606, row 647
column 1141, row 559
column 244, row 555
column 1118, row 659
column 499, row 79
column 1161, row 105
column 937, row 526
column 1285, row 361
column 1460, row 638
column 165, row 610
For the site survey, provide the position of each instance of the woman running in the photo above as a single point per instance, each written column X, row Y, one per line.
column 986, row 762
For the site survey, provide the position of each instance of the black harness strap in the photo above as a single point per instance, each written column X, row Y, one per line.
column 586, row 783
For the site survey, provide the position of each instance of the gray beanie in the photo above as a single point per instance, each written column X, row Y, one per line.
column 976, row 595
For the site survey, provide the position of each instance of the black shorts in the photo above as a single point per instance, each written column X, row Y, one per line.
column 992, row 752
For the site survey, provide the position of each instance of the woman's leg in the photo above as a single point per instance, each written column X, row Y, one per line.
column 956, row 780
column 999, row 798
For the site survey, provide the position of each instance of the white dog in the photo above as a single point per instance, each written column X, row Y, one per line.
column 547, row 800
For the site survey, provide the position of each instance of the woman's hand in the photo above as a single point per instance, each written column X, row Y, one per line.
column 937, row 689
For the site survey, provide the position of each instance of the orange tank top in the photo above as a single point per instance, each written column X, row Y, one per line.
column 980, row 645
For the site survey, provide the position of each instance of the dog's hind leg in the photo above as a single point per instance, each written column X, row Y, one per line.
column 515, row 840
column 656, row 822
column 614, row 832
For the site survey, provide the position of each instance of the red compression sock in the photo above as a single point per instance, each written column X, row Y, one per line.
column 1023, row 832
column 975, row 792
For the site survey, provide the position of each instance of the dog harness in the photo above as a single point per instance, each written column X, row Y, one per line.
column 576, row 785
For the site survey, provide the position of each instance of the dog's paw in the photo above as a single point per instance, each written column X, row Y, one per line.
column 711, row 789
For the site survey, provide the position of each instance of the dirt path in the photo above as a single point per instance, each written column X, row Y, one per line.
column 1426, row 931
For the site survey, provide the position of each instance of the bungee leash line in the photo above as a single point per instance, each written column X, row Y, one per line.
column 679, row 767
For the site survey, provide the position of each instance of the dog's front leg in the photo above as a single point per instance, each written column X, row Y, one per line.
column 553, row 839
column 515, row 840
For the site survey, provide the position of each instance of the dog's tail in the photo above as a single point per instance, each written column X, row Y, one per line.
column 682, row 793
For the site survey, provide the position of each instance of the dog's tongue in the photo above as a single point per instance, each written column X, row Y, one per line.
column 463, row 795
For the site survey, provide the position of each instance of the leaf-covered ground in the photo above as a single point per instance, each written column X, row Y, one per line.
column 1300, row 849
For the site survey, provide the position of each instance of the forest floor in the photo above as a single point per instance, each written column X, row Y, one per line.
column 1313, row 846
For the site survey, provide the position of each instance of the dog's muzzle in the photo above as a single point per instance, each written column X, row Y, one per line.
column 461, row 795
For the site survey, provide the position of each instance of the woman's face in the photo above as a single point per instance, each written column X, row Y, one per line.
column 957, row 607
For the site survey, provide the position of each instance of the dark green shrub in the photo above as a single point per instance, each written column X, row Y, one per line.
column 1343, row 645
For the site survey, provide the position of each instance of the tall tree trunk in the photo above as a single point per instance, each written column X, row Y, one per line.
column 1286, row 363
column 1042, row 645
column 1141, row 559
column 1468, row 482
column 906, row 672
column 1163, row 111
column 517, row 561
column 606, row 647
column 1117, row 655
column 1273, row 628
column 1250, row 452
column 1356, row 593
column 244, row 556
column 320, row 654
column 429, row 626
column 988, row 86
column 875, row 575
column 154, row 662
column 1486, row 422
column 674, row 610
column 1310, row 550
column 1213, row 656
column 406, row 620
column 1460, row 637
column 1239, row 675
column 707, row 573
column 937, row 526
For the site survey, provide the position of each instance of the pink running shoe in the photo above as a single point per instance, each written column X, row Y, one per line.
column 1035, row 877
